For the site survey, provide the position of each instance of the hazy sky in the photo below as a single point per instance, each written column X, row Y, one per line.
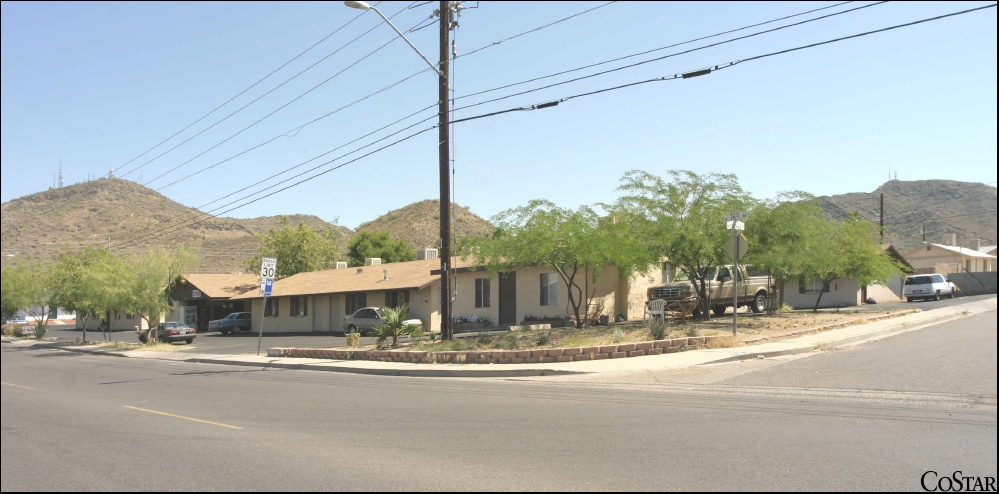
column 206, row 102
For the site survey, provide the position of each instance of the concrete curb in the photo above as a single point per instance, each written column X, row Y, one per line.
column 804, row 344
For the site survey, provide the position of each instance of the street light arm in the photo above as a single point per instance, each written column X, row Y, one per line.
column 364, row 6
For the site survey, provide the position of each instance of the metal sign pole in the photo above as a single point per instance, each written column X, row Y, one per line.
column 736, row 284
column 263, row 313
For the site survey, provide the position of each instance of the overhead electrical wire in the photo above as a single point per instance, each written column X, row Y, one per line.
column 684, row 75
column 296, row 57
column 413, row 75
column 317, row 86
column 657, row 59
column 674, row 45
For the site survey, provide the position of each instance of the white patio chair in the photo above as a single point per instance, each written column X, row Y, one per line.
column 655, row 309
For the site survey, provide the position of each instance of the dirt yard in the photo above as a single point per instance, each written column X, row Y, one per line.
column 752, row 328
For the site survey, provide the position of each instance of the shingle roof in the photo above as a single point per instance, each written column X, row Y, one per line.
column 223, row 285
column 401, row 276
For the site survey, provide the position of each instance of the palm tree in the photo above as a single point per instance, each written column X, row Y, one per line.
column 395, row 325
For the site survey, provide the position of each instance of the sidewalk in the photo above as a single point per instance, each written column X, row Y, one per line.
column 825, row 340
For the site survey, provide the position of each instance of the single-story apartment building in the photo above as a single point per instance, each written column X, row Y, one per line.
column 948, row 259
column 199, row 298
column 318, row 301
column 847, row 292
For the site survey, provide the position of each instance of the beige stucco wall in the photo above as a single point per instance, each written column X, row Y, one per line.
column 121, row 322
column 842, row 293
column 464, row 304
column 886, row 293
column 946, row 261
column 617, row 295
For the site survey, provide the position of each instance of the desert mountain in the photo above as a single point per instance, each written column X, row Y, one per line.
column 130, row 218
column 940, row 208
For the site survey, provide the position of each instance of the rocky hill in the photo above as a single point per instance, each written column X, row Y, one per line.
column 419, row 223
column 130, row 218
column 940, row 208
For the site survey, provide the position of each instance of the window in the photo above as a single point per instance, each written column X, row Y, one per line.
column 481, row 292
column 549, row 289
column 271, row 310
column 396, row 298
column 354, row 301
column 299, row 306
column 812, row 286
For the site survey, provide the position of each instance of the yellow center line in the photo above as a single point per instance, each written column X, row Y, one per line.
column 183, row 417
column 14, row 385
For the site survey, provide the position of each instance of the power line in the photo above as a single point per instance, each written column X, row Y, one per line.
column 660, row 58
column 685, row 75
column 660, row 48
column 550, row 24
column 388, row 87
column 139, row 232
column 275, row 111
column 296, row 57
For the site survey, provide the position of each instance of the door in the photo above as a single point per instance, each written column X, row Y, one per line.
column 508, row 298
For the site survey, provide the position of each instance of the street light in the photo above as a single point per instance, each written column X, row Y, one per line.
column 443, row 145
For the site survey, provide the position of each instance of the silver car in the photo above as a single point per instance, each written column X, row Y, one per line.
column 365, row 320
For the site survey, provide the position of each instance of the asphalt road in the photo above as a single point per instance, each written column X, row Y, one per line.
column 874, row 417
column 247, row 343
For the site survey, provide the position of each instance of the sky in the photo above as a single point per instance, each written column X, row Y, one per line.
column 248, row 109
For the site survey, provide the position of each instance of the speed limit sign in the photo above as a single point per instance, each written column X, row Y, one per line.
column 268, row 268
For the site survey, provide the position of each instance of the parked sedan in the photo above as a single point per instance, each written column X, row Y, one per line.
column 364, row 320
column 170, row 332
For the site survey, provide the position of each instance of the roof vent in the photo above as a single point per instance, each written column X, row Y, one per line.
column 384, row 275
column 373, row 261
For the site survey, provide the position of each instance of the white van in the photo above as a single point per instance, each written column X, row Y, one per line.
column 927, row 286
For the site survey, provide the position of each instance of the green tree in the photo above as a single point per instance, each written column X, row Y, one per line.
column 784, row 233
column 15, row 290
column 27, row 286
column 87, row 282
column 297, row 250
column 394, row 325
column 148, row 279
column 679, row 217
column 572, row 242
column 850, row 249
column 366, row 244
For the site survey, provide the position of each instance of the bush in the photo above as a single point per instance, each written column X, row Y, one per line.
column 658, row 329
column 544, row 338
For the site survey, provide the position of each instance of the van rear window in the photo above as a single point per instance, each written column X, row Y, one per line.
column 918, row 280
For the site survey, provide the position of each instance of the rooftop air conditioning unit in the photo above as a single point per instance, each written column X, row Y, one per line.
column 426, row 254
column 373, row 261
column 340, row 265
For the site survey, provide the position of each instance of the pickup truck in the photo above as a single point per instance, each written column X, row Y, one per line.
column 237, row 322
column 753, row 290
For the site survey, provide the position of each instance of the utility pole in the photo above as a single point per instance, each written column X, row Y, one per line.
column 882, row 217
column 444, row 144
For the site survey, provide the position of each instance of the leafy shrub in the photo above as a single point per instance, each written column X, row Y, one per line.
column 618, row 336
column 544, row 338
column 658, row 329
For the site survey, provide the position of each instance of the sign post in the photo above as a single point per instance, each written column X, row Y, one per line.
column 736, row 247
column 268, row 268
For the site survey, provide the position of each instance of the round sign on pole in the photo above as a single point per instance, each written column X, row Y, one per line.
column 741, row 246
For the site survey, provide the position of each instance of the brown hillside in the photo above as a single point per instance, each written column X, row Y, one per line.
column 419, row 223
column 133, row 217
column 940, row 207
